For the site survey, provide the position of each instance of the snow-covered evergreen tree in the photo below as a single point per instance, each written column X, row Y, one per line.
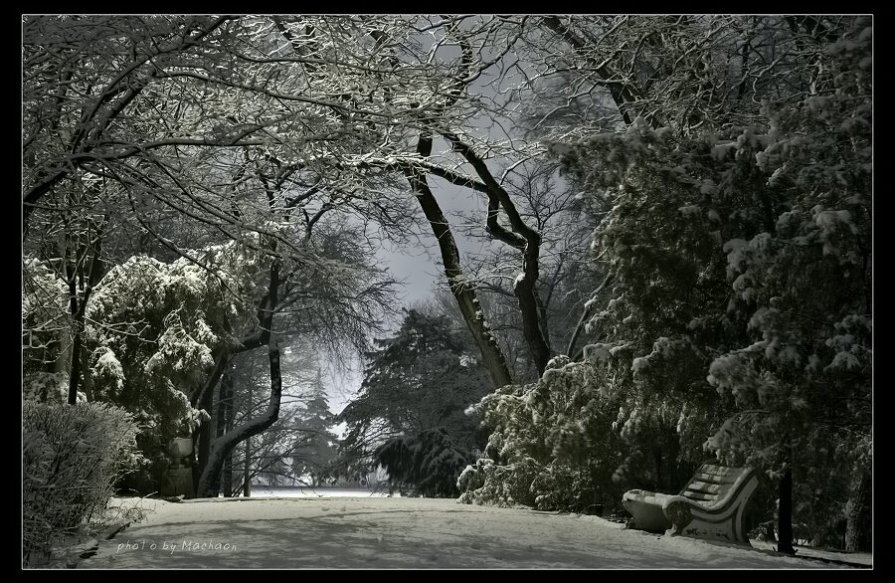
column 316, row 446
column 737, row 317
column 409, row 415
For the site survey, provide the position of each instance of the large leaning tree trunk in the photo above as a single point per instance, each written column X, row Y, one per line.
column 461, row 287
column 521, row 237
column 210, row 476
column 203, row 397
column 524, row 239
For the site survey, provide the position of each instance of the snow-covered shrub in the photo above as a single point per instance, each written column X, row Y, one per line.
column 72, row 455
column 557, row 444
column 46, row 386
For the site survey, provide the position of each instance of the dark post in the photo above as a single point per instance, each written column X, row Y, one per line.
column 784, row 513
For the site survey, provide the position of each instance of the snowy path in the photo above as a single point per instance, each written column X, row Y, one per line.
column 401, row 533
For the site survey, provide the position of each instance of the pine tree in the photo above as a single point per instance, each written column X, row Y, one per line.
column 409, row 415
column 316, row 446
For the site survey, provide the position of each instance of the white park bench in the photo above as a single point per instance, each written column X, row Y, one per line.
column 710, row 506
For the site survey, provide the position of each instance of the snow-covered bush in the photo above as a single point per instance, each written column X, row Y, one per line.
column 72, row 455
column 558, row 444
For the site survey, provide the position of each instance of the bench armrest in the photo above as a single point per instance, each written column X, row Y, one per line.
column 647, row 497
column 677, row 510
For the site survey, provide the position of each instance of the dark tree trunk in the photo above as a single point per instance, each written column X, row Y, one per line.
column 527, row 294
column 78, row 310
column 247, row 460
column 220, row 365
column 543, row 316
column 523, row 238
column 210, row 478
column 204, row 433
column 225, row 407
column 784, row 514
column 202, row 396
column 859, row 516
column 246, row 475
column 75, row 377
column 227, row 477
column 658, row 458
column 462, row 289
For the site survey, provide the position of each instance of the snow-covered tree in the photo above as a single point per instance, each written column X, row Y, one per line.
column 316, row 446
column 734, row 319
column 151, row 330
column 754, row 273
column 409, row 415
column 802, row 386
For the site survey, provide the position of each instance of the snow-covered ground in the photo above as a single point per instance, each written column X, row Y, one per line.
column 380, row 532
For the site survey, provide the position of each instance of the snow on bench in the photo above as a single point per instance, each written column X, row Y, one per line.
column 710, row 506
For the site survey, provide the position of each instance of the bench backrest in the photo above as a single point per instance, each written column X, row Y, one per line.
column 712, row 483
